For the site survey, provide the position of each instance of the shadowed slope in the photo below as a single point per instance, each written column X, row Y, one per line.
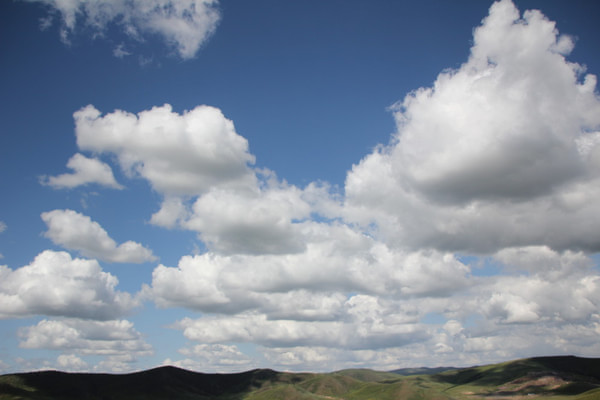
column 163, row 382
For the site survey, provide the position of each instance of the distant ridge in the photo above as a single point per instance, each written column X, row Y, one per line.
column 572, row 378
column 422, row 370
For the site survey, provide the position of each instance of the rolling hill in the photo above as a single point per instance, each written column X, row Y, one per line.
column 564, row 377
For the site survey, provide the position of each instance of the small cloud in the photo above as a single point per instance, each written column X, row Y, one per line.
column 70, row 362
column 45, row 22
column 2, row 229
column 86, row 171
column 120, row 51
column 76, row 231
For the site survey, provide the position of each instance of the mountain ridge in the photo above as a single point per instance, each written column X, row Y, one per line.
column 559, row 377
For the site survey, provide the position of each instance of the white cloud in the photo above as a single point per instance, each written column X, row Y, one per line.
column 268, row 217
column 202, row 167
column 183, row 24
column 70, row 362
column 464, row 347
column 250, row 222
column 120, row 51
column 183, row 154
column 76, row 231
column 298, row 313
column 532, row 298
column 529, row 296
column 370, row 333
column 219, row 358
column 491, row 155
column 84, row 337
column 172, row 213
column 55, row 284
column 337, row 260
column 86, row 171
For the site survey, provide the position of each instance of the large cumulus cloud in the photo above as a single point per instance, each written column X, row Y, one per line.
column 499, row 152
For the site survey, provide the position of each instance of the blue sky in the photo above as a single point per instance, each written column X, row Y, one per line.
column 225, row 185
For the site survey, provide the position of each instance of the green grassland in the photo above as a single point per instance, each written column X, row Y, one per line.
column 558, row 378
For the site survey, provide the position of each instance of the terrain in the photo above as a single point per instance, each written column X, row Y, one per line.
column 563, row 377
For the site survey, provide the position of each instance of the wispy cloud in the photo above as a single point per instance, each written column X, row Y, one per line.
column 183, row 24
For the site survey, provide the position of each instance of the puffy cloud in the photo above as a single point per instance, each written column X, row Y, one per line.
column 305, row 323
column 464, row 347
column 86, row 171
column 99, row 338
column 75, row 231
column 202, row 167
column 183, row 154
column 532, row 298
column 183, row 24
column 257, row 328
column 70, row 362
column 298, row 356
column 268, row 217
column 216, row 354
column 337, row 260
column 118, row 363
column 250, row 222
column 495, row 154
column 543, row 302
column 172, row 213
column 212, row 358
column 55, row 284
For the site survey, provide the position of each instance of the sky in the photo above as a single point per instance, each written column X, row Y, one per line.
column 299, row 185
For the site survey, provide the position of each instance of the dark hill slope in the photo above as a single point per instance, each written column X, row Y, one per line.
column 158, row 383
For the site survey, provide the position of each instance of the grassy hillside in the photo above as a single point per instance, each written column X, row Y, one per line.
column 567, row 376
column 559, row 378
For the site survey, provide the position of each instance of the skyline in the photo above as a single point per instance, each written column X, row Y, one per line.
column 224, row 186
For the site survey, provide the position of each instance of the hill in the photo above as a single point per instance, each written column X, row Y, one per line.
column 559, row 378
